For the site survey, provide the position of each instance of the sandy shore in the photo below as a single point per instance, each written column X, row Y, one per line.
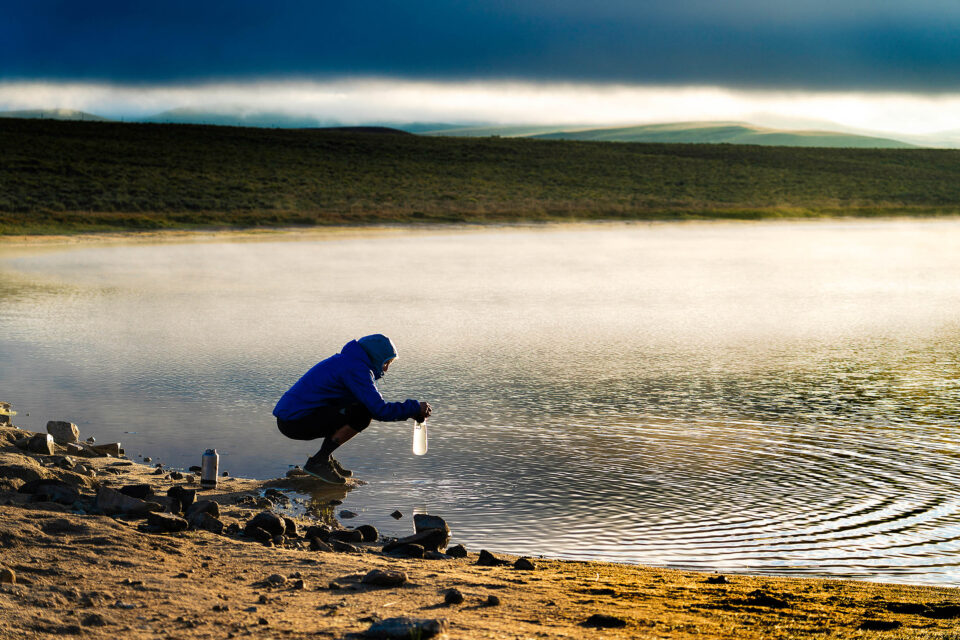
column 75, row 570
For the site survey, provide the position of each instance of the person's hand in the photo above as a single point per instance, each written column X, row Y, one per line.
column 425, row 411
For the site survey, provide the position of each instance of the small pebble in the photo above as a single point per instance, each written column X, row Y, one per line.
column 396, row 515
column 453, row 596
column 491, row 601
column 7, row 576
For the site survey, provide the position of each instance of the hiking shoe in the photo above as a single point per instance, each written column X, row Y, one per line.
column 323, row 470
column 346, row 473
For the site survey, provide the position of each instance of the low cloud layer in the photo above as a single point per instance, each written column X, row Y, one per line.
column 397, row 101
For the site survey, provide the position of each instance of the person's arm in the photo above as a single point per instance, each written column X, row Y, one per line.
column 360, row 384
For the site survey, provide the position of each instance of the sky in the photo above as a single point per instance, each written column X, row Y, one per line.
column 872, row 64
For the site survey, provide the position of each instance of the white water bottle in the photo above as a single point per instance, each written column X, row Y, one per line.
column 420, row 438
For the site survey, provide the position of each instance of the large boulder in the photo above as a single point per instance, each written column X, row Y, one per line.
column 400, row 628
column 429, row 539
column 204, row 520
column 41, row 443
column 423, row 521
column 269, row 522
column 166, row 522
column 203, row 506
column 51, row 491
column 63, row 432
column 112, row 501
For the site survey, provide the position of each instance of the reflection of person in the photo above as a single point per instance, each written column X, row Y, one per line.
column 337, row 398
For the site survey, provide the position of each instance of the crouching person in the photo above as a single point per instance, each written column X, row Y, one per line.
column 337, row 398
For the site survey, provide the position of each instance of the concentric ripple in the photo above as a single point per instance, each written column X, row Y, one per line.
column 769, row 398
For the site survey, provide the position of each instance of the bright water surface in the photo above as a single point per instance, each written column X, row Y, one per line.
column 764, row 398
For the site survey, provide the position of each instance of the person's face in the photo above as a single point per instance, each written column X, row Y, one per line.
column 386, row 365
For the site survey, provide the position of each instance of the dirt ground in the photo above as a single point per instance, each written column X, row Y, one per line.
column 80, row 574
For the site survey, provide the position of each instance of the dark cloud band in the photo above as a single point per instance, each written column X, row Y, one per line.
column 746, row 43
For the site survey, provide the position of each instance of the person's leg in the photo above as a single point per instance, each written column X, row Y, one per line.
column 357, row 418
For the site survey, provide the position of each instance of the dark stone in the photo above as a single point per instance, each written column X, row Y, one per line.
column 203, row 520
column 176, row 475
column 316, row 544
column 487, row 559
column 880, row 625
column 403, row 628
column 166, row 522
column 346, row 535
column 290, row 528
column 65, row 462
column 51, row 491
column 380, row 578
column 457, row 551
column 112, row 501
column 368, row 532
column 717, row 580
column 396, row 515
column 321, row 532
column 406, row 551
column 346, row 513
column 601, row 621
column 436, row 555
column 182, row 498
column 429, row 539
column 524, row 564
column 423, row 521
column 139, row 491
column 193, row 469
column 343, row 547
column 203, row 506
column 269, row 522
column 491, row 601
column 453, row 596
column 258, row 534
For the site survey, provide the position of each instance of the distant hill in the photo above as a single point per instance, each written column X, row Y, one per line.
column 728, row 133
column 54, row 114
column 502, row 131
column 685, row 132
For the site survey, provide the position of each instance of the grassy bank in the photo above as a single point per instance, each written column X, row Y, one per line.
column 60, row 177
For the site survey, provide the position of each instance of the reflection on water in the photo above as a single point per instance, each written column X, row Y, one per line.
column 778, row 398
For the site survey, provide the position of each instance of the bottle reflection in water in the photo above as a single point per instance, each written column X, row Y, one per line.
column 420, row 438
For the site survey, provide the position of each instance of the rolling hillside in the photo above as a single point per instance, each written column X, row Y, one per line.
column 58, row 176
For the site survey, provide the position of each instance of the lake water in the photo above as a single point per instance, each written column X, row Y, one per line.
column 777, row 398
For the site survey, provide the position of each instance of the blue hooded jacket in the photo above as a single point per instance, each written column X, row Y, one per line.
column 344, row 378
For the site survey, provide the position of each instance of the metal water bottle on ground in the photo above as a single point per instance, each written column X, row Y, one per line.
column 208, row 468
column 420, row 438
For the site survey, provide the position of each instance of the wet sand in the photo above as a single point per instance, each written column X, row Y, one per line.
column 80, row 573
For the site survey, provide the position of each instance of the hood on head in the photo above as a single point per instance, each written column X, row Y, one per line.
column 380, row 349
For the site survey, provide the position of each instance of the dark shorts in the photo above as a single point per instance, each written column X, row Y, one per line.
column 325, row 421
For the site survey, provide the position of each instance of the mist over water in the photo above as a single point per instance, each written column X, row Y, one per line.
column 763, row 398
